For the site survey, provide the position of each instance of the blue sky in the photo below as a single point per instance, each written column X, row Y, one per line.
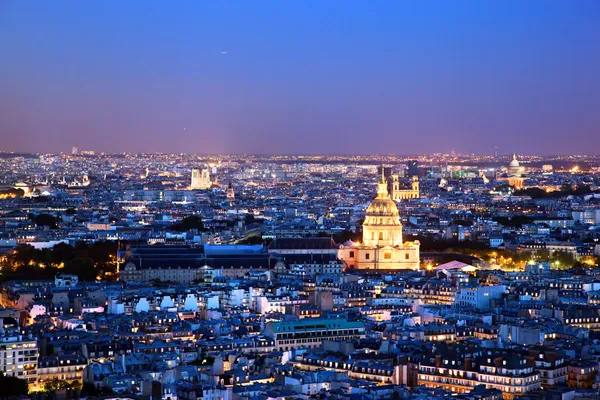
column 300, row 77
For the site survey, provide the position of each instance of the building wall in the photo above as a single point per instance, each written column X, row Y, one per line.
column 363, row 257
column 18, row 358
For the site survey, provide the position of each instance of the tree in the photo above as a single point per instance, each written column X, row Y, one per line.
column 88, row 390
column 534, row 193
column 563, row 259
column 62, row 252
column 516, row 221
column 254, row 239
column 543, row 255
column 189, row 223
column 503, row 188
column 249, row 219
column 520, row 220
column 462, row 222
column 83, row 267
column 45, row 220
column 504, row 221
column 23, row 254
column 13, row 386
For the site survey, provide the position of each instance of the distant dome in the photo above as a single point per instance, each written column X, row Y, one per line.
column 514, row 163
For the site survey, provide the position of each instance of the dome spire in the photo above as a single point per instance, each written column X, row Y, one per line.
column 382, row 191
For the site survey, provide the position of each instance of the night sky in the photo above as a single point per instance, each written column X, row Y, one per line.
column 300, row 77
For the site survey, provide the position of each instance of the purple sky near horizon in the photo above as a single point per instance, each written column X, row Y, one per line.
column 301, row 77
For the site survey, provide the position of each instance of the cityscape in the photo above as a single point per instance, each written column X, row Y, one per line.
column 300, row 200
column 300, row 277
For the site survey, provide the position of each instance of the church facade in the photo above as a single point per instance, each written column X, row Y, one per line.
column 399, row 193
column 382, row 247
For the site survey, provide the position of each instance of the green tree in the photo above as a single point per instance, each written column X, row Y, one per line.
column 13, row 386
column 254, row 239
column 189, row 223
column 563, row 259
column 534, row 193
column 62, row 253
column 520, row 220
column 83, row 267
column 89, row 389
column 45, row 220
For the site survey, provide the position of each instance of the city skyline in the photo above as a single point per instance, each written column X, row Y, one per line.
column 316, row 156
column 272, row 78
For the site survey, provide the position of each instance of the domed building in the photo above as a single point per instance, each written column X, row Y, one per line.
column 514, row 167
column 382, row 247
column 514, row 174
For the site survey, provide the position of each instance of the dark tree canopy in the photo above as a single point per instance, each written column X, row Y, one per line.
column 85, row 260
column 565, row 190
column 45, row 220
column 516, row 221
column 83, row 267
column 13, row 386
column 188, row 224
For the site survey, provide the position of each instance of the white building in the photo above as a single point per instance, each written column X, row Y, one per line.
column 479, row 297
column 66, row 281
column 19, row 357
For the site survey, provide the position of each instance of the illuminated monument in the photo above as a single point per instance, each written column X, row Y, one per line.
column 382, row 247
column 514, row 174
column 200, row 179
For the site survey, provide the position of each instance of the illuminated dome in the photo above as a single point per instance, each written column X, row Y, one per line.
column 382, row 226
column 382, row 210
column 514, row 163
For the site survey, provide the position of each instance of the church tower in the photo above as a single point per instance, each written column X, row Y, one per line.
column 415, row 184
column 230, row 193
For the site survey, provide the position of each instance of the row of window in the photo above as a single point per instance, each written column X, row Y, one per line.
column 386, row 256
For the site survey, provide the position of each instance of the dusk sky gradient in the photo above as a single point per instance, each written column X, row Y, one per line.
column 300, row 77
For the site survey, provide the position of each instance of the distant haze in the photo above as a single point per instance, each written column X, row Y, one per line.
column 300, row 77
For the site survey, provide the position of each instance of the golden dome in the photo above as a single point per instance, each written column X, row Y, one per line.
column 382, row 210
column 382, row 226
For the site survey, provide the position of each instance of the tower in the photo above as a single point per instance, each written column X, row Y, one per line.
column 230, row 192
column 415, row 184
column 395, row 184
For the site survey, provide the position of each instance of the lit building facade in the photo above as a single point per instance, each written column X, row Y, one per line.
column 200, row 179
column 399, row 193
column 514, row 174
column 19, row 357
column 309, row 333
column 382, row 247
